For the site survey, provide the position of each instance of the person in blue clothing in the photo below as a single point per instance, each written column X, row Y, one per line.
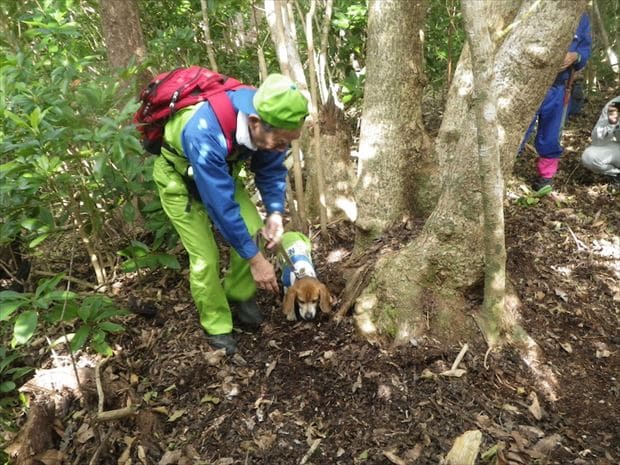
column 549, row 118
column 268, row 119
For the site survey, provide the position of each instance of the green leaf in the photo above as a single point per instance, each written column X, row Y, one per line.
column 544, row 191
column 62, row 312
column 7, row 296
column 16, row 119
column 6, row 361
column 35, row 119
column 85, row 312
column 103, row 348
column 8, row 308
column 80, row 338
column 48, row 284
column 109, row 313
column 129, row 212
column 169, row 261
column 25, row 324
column 37, row 240
column 7, row 386
column 110, row 327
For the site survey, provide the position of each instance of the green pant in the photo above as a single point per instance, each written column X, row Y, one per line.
column 195, row 230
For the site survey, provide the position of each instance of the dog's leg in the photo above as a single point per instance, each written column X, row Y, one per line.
column 288, row 304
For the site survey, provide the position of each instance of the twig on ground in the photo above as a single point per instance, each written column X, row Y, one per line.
column 102, row 444
column 117, row 414
column 313, row 448
column 580, row 245
column 100, row 393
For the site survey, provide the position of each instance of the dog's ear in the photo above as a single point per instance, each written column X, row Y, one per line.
column 288, row 304
column 325, row 299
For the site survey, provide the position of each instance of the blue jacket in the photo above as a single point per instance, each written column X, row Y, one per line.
column 204, row 146
column 582, row 44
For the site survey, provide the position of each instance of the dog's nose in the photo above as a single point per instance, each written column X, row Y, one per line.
column 308, row 316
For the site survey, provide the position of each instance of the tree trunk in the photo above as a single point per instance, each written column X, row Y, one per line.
column 478, row 22
column 284, row 37
column 262, row 63
column 122, row 31
column 391, row 134
column 335, row 146
column 207, row 33
column 420, row 287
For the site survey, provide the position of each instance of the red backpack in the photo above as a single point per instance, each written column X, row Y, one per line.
column 180, row 88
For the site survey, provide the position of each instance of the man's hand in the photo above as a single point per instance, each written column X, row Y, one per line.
column 273, row 229
column 263, row 273
column 569, row 59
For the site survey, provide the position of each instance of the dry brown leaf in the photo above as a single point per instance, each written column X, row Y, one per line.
column 357, row 384
column 215, row 357
column 50, row 457
column 270, row 368
column 427, row 374
column 265, row 441
column 84, row 433
column 176, row 415
column 224, row 461
column 125, row 459
column 392, row 457
column 412, row 455
column 142, row 455
column 544, row 447
column 170, row 457
column 535, row 408
column 465, row 448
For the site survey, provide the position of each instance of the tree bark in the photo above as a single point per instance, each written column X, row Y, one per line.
column 478, row 18
column 391, row 134
column 122, row 31
column 284, row 38
column 314, row 115
column 262, row 63
column 207, row 33
column 421, row 287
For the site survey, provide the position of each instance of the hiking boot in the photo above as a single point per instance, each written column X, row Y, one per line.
column 247, row 313
column 540, row 182
column 223, row 341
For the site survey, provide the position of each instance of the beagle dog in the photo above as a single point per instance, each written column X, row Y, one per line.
column 304, row 294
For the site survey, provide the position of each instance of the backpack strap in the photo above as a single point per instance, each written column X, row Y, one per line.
column 226, row 116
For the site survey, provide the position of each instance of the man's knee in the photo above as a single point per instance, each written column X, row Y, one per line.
column 591, row 159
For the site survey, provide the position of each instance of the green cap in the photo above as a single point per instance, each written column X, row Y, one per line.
column 279, row 103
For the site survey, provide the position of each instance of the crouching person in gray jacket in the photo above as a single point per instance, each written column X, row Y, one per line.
column 603, row 154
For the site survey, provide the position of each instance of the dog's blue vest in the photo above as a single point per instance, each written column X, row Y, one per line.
column 298, row 248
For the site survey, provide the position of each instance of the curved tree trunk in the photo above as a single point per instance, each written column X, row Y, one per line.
column 426, row 278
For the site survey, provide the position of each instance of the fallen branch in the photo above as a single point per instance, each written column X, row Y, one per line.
column 454, row 370
column 100, row 393
column 117, row 414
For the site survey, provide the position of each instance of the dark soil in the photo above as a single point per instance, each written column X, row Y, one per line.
column 316, row 393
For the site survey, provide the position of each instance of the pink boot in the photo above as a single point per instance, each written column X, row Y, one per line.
column 547, row 167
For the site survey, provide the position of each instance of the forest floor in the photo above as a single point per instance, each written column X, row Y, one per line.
column 315, row 393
